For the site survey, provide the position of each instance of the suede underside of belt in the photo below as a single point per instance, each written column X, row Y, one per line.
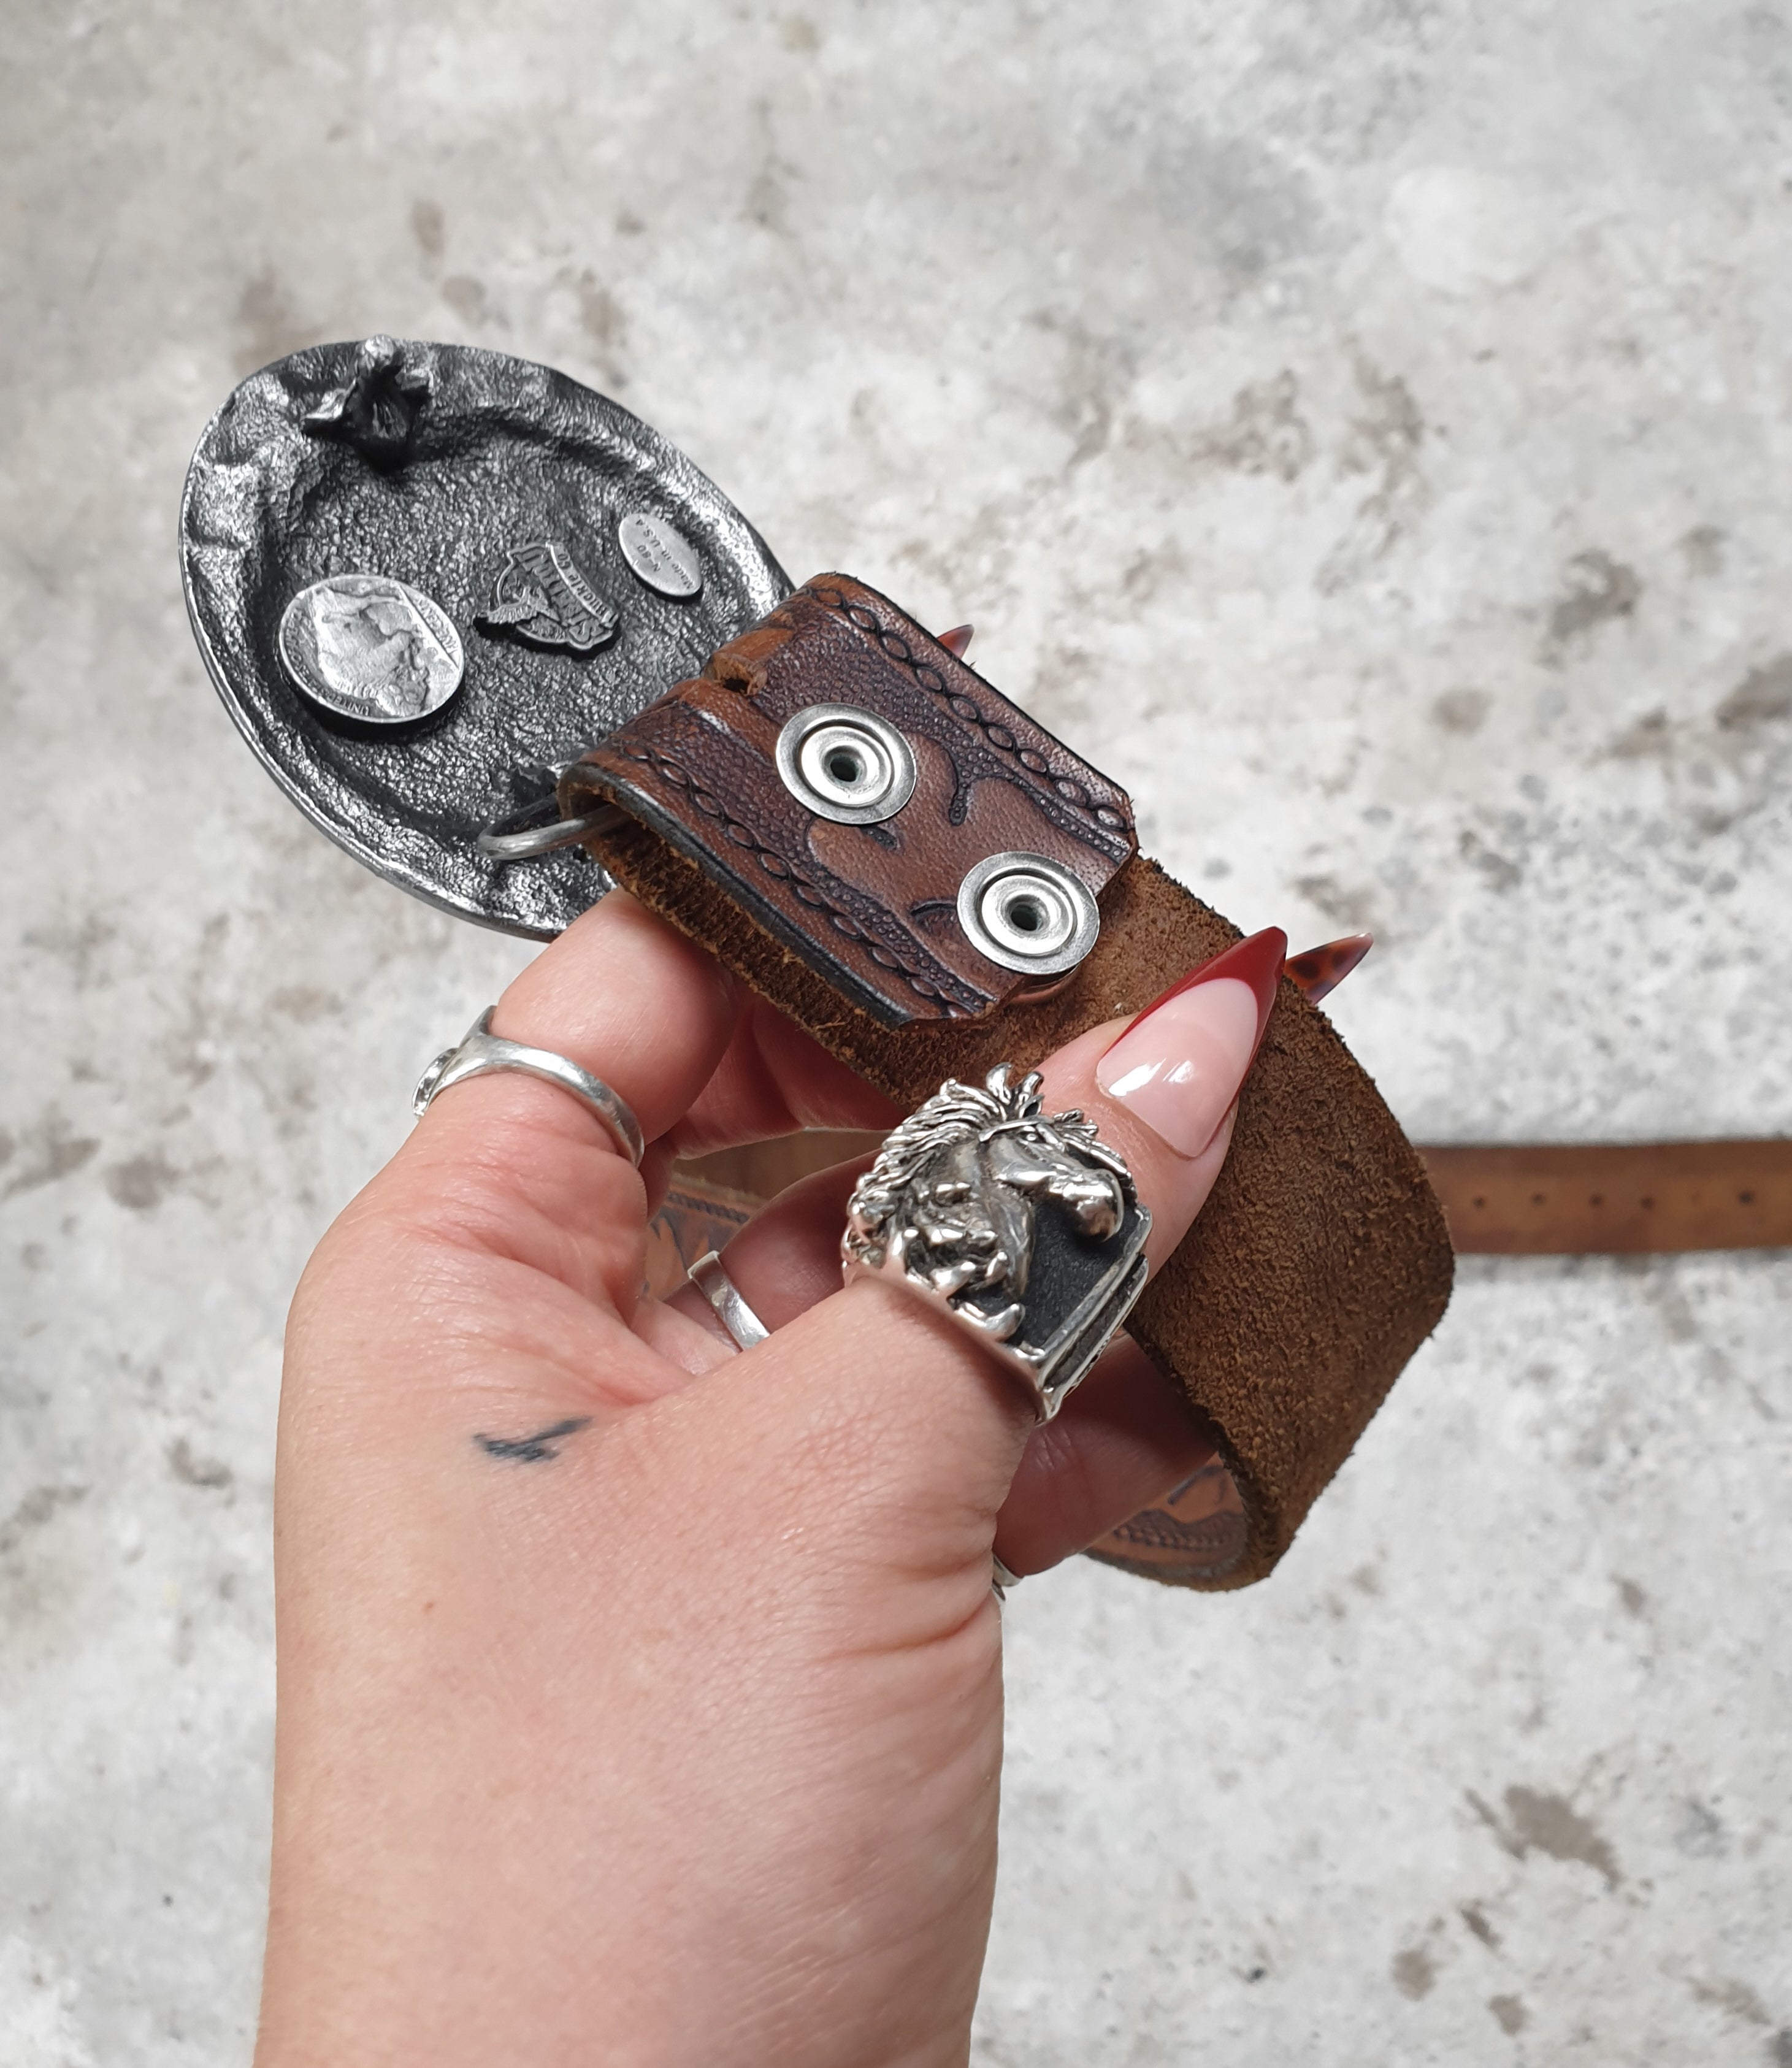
column 1319, row 1264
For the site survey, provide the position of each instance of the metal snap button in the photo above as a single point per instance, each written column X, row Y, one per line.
column 1028, row 913
column 844, row 764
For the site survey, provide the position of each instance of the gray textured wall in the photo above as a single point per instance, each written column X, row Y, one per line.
column 1365, row 428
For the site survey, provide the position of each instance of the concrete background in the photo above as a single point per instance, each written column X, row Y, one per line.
column 1365, row 428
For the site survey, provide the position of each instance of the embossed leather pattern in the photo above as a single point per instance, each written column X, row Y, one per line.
column 872, row 909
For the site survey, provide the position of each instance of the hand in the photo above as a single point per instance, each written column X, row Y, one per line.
column 640, row 1700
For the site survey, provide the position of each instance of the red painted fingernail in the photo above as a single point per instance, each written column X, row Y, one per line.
column 955, row 641
column 1316, row 972
column 1257, row 960
column 1179, row 1065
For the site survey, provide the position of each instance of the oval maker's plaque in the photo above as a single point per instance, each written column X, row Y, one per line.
column 663, row 558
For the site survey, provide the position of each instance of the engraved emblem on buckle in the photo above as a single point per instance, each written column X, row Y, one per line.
column 542, row 597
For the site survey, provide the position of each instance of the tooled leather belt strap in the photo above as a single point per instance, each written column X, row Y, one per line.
column 1321, row 1260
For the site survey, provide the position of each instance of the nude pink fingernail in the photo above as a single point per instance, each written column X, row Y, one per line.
column 1178, row 1066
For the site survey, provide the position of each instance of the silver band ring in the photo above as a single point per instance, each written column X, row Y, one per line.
column 1026, row 1229
column 709, row 1276
column 480, row 1051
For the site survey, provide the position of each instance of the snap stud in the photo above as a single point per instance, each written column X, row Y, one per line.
column 1028, row 913
column 845, row 765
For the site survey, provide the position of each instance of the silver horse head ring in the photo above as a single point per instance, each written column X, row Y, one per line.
column 1026, row 1228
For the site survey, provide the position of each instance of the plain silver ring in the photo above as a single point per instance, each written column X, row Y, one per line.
column 480, row 1051
column 709, row 1276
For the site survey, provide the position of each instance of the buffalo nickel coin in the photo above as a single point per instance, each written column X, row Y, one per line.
column 663, row 558
column 367, row 647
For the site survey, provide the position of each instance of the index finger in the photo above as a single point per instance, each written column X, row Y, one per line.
column 507, row 1163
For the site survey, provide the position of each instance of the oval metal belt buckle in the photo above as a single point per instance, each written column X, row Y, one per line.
column 424, row 576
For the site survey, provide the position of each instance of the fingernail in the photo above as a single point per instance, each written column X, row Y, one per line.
column 1318, row 972
column 955, row 641
column 1178, row 1066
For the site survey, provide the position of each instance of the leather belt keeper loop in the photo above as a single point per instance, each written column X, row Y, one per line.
column 870, row 907
column 1320, row 1263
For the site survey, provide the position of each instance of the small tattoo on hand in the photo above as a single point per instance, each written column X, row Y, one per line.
column 532, row 1449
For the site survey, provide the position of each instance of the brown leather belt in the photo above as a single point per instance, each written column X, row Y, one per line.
column 1322, row 1260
